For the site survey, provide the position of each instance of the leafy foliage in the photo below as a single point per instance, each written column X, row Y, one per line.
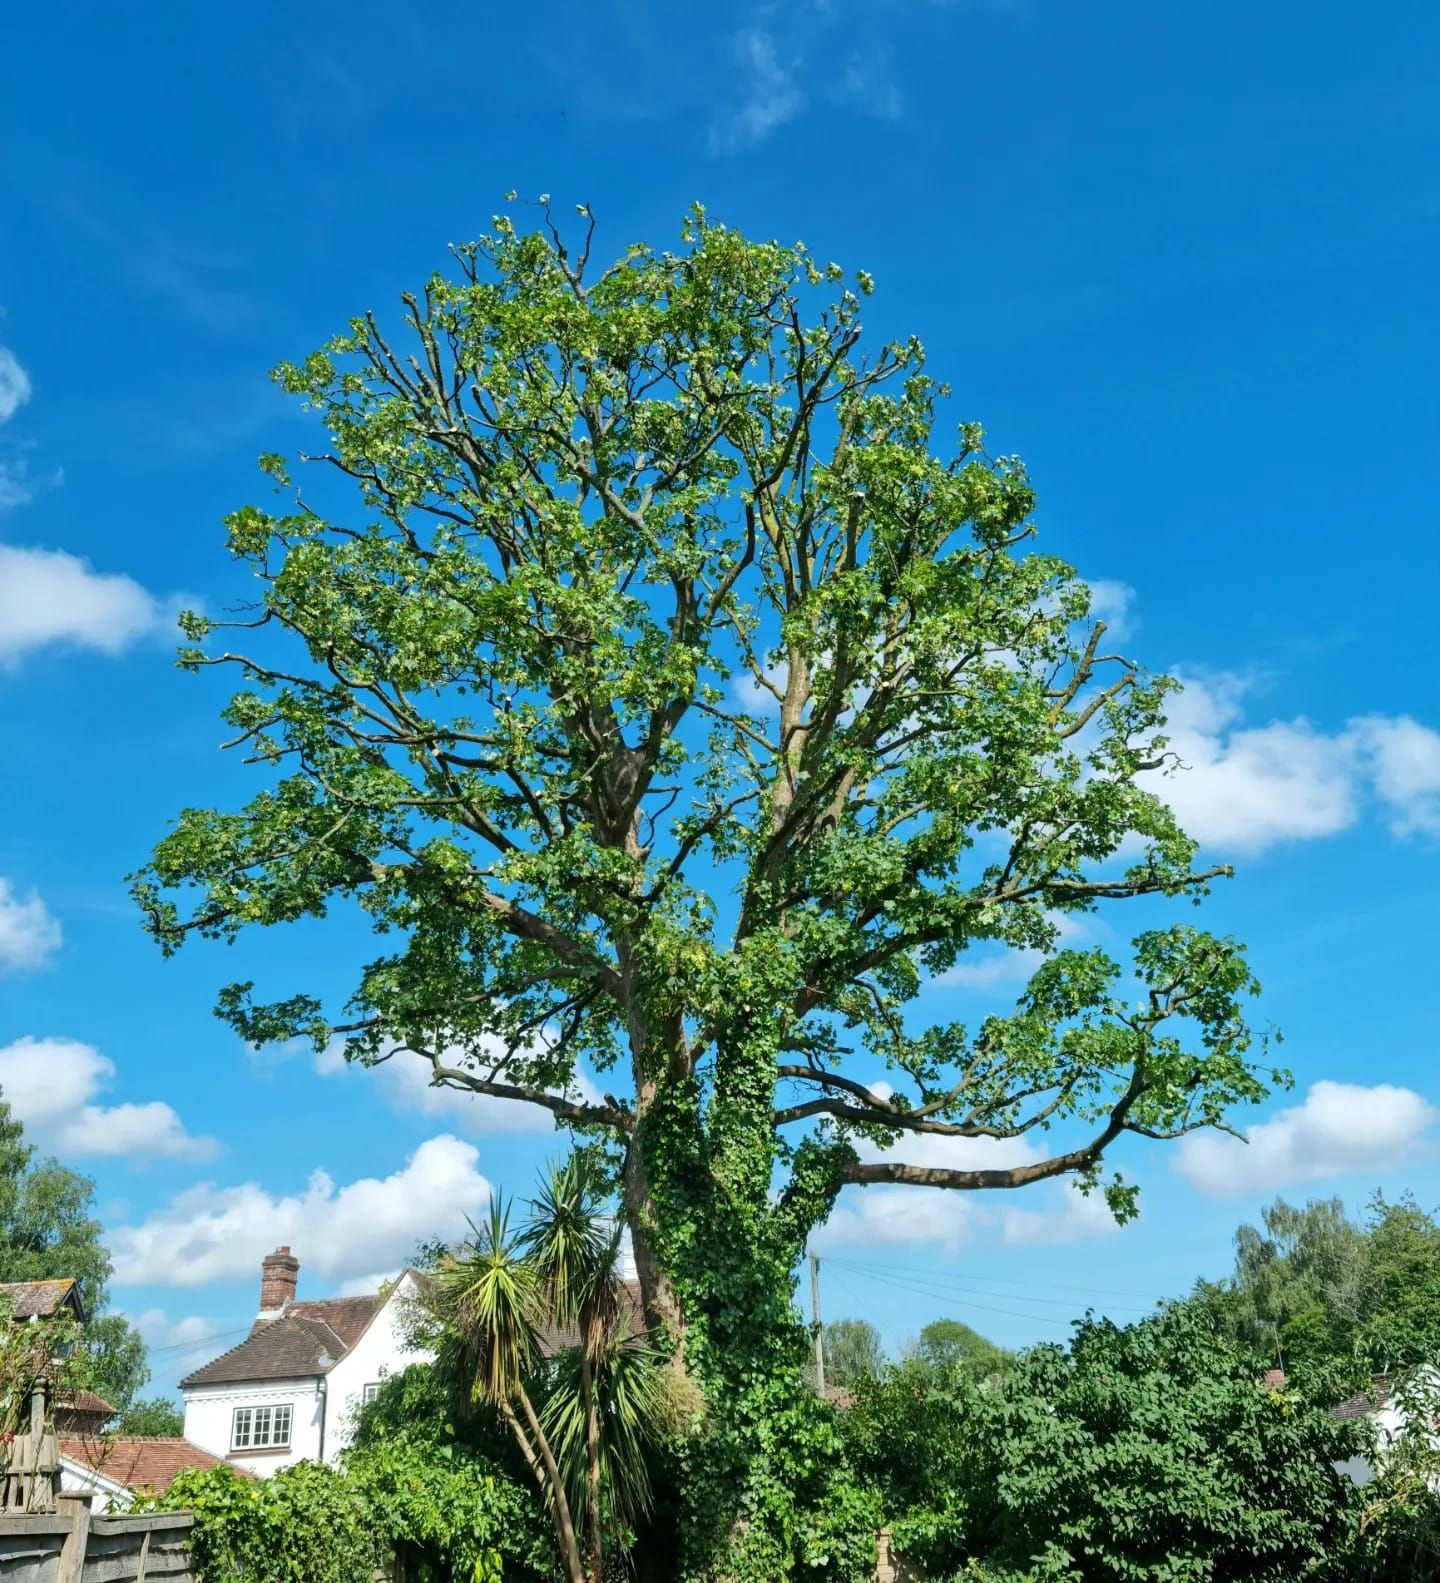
column 29, row 1353
column 852, row 1348
column 1336, row 1300
column 307, row 1523
column 678, row 700
column 945, row 1345
column 48, row 1231
column 448, row 1494
column 157, row 1415
column 1151, row 1452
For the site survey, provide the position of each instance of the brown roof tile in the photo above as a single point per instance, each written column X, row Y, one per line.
column 81, row 1410
column 138, row 1462
column 287, row 1348
column 1368, row 1401
column 348, row 1317
column 39, row 1299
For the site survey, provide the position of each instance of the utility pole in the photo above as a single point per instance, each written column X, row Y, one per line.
column 819, row 1332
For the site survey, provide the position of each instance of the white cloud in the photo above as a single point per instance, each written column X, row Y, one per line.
column 49, row 596
column 1338, row 1130
column 1402, row 758
column 1113, row 603
column 889, row 1217
column 772, row 98
column 14, row 385
column 29, row 933
column 51, row 1085
column 404, row 1081
column 990, row 972
column 212, row 1233
column 1249, row 788
column 1002, row 967
column 1073, row 1216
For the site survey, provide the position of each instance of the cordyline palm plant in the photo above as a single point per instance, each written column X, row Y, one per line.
column 602, row 1402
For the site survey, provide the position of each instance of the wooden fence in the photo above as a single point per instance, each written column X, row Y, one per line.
column 70, row 1545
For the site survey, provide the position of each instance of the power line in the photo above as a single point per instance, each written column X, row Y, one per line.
column 200, row 1341
column 944, row 1297
column 1000, row 1280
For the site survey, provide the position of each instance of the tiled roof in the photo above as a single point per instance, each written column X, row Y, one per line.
column 1368, row 1401
column 89, row 1404
column 287, row 1348
column 555, row 1339
column 348, row 1317
column 138, row 1462
column 39, row 1299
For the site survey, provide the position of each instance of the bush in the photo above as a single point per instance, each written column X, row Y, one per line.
column 447, row 1496
column 306, row 1524
column 1151, row 1453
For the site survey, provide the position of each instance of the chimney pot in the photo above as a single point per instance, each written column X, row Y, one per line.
column 278, row 1274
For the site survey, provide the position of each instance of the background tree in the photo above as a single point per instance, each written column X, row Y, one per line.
column 675, row 703
column 852, row 1348
column 947, row 1345
column 1335, row 1299
column 48, row 1231
column 155, row 1416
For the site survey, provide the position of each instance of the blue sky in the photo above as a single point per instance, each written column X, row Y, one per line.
column 1180, row 258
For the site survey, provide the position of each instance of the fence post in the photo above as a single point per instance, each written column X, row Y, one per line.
column 72, row 1556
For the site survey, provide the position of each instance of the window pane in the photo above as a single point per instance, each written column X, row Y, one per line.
column 370, row 1393
column 281, row 1436
column 241, row 1435
column 262, row 1426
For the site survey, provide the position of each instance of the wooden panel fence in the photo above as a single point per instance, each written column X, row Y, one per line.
column 70, row 1545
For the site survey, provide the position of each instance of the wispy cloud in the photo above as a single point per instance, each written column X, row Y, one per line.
column 868, row 84
column 14, row 385
column 15, row 485
column 772, row 96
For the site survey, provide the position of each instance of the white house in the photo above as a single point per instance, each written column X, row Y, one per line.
column 1404, row 1417
column 290, row 1390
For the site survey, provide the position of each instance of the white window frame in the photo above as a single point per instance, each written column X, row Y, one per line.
column 369, row 1392
column 263, row 1428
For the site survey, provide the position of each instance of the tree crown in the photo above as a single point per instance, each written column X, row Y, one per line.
column 677, row 689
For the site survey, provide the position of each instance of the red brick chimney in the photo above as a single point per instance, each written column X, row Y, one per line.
column 278, row 1273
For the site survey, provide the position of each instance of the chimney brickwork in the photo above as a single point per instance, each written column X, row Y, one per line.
column 279, row 1272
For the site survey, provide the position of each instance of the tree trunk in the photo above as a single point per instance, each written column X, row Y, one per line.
column 590, row 1342
column 547, row 1477
column 658, row 1297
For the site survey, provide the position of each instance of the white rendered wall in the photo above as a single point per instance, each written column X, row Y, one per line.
column 379, row 1353
column 210, row 1412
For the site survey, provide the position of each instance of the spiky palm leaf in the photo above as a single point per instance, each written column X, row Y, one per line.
column 565, row 1237
column 487, row 1299
column 629, row 1384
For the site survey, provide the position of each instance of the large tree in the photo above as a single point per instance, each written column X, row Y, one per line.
column 48, row 1231
column 676, row 702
